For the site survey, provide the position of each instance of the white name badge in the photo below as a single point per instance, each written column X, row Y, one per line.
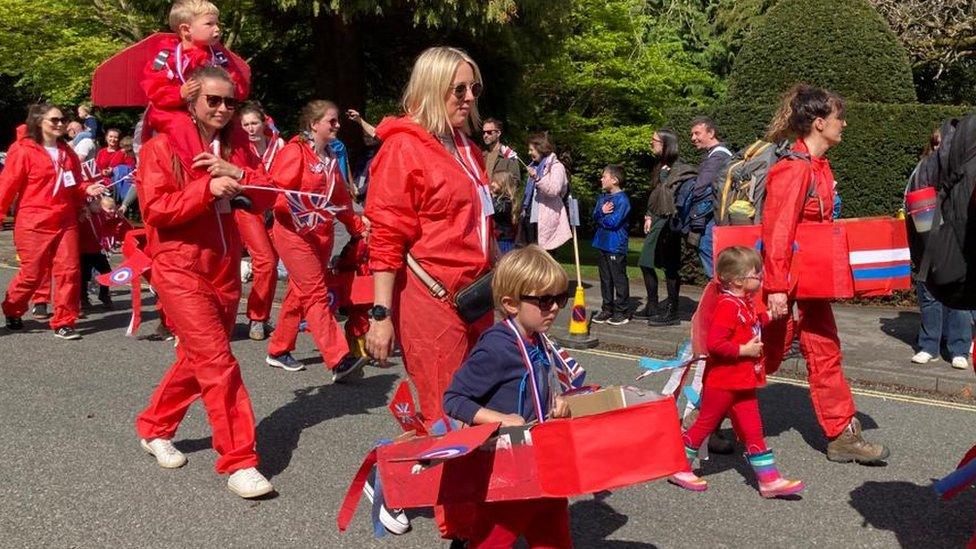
column 223, row 206
column 486, row 202
column 68, row 179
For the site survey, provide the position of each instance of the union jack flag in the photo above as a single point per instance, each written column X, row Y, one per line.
column 568, row 372
column 88, row 170
column 308, row 210
column 508, row 152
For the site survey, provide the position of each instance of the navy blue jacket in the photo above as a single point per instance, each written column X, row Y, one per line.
column 494, row 377
column 611, row 229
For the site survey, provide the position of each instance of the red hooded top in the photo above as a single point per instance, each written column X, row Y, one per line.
column 298, row 168
column 422, row 200
column 165, row 74
column 45, row 199
column 183, row 219
column 789, row 203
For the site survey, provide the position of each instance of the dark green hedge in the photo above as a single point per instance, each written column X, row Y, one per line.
column 843, row 45
column 880, row 147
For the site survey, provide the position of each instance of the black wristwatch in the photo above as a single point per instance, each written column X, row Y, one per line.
column 378, row 313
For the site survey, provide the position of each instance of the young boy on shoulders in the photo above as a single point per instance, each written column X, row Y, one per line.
column 509, row 378
column 166, row 78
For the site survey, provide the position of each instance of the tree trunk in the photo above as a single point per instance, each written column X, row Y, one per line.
column 339, row 72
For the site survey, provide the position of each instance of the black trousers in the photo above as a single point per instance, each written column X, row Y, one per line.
column 614, row 286
column 99, row 263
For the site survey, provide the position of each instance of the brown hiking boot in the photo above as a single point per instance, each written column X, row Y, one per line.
column 851, row 446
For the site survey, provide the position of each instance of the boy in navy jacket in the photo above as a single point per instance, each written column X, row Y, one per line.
column 509, row 378
column 610, row 217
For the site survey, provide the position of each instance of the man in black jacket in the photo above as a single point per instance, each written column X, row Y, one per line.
column 715, row 157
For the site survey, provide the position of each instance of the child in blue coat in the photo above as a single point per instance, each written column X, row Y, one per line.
column 610, row 217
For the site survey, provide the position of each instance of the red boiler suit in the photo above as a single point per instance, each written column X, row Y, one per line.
column 305, row 245
column 161, row 80
column 45, row 227
column 196, row 255
column 788, row 203
column 264, row 258
column 423, row 200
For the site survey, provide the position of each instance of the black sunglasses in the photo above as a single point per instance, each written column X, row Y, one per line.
column 461, row 90
column 58, row 120
column 214, row 101
column 545, row 302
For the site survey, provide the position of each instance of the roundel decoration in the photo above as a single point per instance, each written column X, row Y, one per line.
column 122, row 276
column 445, row 452
column 331, row 300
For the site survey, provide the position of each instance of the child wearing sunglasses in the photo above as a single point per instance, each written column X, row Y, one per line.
column 734, row 370
column 166, row 79
column 509, row 378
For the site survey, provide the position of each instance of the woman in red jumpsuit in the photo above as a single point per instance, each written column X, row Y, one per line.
column 303, row 234
column 265, row 143
column 429, row 196
column 196, row 255
column 800, row 190
column 45, row 174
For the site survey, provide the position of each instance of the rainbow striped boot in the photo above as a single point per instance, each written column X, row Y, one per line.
column 771, row 483
column 687, row 479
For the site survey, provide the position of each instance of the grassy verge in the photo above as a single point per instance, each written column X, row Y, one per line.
column 589, row 256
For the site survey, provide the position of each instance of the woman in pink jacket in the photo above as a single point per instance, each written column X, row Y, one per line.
column 549, row 184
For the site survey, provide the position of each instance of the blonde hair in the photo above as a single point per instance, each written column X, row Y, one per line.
column 736, row 262
column 430, row 80
column 312, row 112
column 184, row 12
column 524, row 271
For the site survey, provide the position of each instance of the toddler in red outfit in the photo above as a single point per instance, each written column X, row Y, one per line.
column 733, row 371
column 166, row 79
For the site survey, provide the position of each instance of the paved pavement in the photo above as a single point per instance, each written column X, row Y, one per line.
column 74, row 476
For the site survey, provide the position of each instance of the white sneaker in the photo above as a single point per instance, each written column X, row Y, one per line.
column 922, row 357
column 394, row 520
column 960, row 362
column 167, row 456
column 249, row 483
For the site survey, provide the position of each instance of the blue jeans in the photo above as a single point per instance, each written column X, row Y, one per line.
column 940, row 322
column 705, row 249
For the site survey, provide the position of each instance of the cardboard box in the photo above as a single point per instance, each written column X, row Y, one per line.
column 609, row 398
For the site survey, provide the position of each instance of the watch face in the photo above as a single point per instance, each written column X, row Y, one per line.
column 378, row 312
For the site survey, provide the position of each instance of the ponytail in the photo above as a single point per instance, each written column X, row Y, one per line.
column 799, row 108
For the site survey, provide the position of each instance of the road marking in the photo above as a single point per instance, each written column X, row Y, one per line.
column 801, row 383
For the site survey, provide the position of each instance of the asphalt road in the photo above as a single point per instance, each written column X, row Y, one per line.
column 72, row 473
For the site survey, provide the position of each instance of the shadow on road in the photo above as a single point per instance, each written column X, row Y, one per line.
column 278, row 433
column 593, row 520
column 903, row 327
column 914, row 513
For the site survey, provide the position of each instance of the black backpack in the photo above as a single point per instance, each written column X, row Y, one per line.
column 948, row 265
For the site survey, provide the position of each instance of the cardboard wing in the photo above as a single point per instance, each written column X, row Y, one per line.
column 350, row 288
column 880, row 259
column 558, row 458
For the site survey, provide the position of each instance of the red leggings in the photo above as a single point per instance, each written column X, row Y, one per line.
column 741, row 406
column 543, row 522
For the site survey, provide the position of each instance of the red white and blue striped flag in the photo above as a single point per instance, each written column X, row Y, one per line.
column 568, row 372
column 879, row 256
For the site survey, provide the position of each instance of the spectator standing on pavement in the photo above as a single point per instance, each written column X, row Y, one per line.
column 800, row 190
column 110, row 157
column 503, row 201
column 498, row 157
column 91, row 124
column 611, row 216
column 82, row 141
column 360, row 172
column 715, row 157
column 662, row 243
column 549, row 184
column 938, row 322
